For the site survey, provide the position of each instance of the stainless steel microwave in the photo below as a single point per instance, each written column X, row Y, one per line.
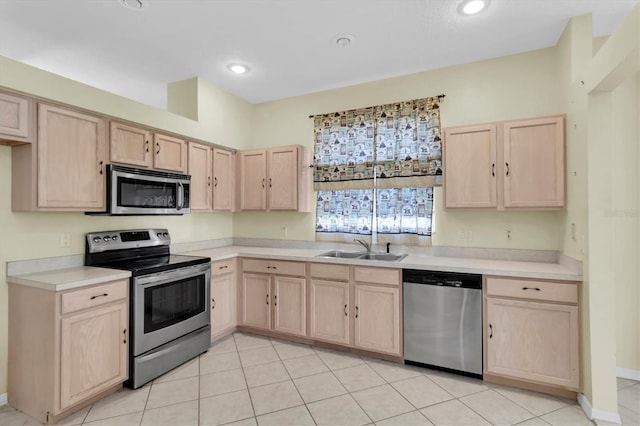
column 134, row 191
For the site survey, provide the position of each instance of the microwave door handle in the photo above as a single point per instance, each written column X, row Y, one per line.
column 180, row 196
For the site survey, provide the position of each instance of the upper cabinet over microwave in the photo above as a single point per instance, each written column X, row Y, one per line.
column 138, row 147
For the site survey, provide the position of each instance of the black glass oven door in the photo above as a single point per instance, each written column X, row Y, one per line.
column 172, row 303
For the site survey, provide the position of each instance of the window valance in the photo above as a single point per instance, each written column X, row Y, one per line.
column 397, row 144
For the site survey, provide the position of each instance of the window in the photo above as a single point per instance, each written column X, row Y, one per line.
column 375, row 169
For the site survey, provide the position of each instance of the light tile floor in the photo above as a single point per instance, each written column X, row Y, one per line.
column 252, row 380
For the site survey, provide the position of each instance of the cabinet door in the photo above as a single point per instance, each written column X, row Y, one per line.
column 290, row 302
column 223, row 180
column 72, row 150
column 256, row 303
column 200, row 169
column 534, row 163
column 470, row 167
column 329, row 311
column 93, row 352
column 253, row 180
column 377, row 318
column 170, row 153
column 533, row 341
column 16, row 118
column 130, row 145
column 283, row 178
column 223, row 302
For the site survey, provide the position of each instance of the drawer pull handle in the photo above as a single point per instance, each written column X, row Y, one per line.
column 345, row 310
column 272, row 267
column 490, row 331
column 214, row 303
column 223, row 267
column 531, row 288
column 267, row 299
column 99, row 295
column 356, row 311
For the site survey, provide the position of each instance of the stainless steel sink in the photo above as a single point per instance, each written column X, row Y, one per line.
column 362, row 255
column 382, row 256
column 341, row 254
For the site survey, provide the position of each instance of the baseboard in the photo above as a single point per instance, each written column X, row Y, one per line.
column 3, row 399
column 607, row 416
column 627, row 373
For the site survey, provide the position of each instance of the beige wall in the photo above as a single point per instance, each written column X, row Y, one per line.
column 524, row 85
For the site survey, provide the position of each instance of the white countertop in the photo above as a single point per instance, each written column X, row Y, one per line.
column 65, row 279
column 69, row 278
column 541, row 270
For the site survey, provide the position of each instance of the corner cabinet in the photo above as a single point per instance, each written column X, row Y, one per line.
column 65, row 169
column 275, row 179
column 507, row 165
column 66, row 348
column 532, row 332
column 17, row 119
column 274, row 295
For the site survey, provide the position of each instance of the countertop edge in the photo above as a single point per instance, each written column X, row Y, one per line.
column 96, row 276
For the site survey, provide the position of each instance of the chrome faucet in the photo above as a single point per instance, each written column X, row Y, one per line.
column 364, row 243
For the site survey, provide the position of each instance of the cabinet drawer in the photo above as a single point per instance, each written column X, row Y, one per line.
column 377, row 275
column 329, row 271
column 274, row 267
column 94, row 296
column 534, row 290
column 223, row 267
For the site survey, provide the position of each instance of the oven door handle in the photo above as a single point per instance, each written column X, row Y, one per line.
column 176, row 274
column 180, row 196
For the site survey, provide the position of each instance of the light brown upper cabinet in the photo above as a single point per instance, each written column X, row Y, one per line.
column 223, row 180
column 136, row 146
column 170, row 153
column 65, row 170
column 130, row 145
column 200, row 169
column 507, row 165
column 17, row 119
column 274, row 179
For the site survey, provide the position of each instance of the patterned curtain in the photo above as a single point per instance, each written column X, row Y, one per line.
column 404, row 210
column 348, row 212
column 399, row 143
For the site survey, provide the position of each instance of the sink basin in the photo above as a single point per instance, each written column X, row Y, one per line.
column 341, row 254
column 362, row 255
column 382, row 256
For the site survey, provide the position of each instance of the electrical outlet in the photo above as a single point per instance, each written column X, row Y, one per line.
column 65, row 240
column 468, row 235
column 284, row 231
column 573, row 231
column 508, row 234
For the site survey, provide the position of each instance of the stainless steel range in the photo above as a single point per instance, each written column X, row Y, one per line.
column 169, row 310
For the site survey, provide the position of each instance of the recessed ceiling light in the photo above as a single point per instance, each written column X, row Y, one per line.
column 471, row 7
column 344, row 40
column 238, row 68
column 134, row 4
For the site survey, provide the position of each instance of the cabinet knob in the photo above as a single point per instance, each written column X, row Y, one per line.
column 101, row 163
column 146, row 145
column 493, row 169
column 263, row 180
column 275, row 303
column 267, row 299
column 269, row 182
column 490, row 331
column 356, row 311
column 214, row 303
column 507, row 166
column 125, row 335
column 345, row 310
column 157, row 148
column 209, row 180
column 215, row 182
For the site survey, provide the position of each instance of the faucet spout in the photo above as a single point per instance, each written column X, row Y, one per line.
column 365, row 244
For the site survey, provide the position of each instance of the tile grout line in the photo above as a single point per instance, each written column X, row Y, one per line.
column 253, row 409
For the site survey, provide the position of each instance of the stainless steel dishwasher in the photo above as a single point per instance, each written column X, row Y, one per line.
column 443, row 320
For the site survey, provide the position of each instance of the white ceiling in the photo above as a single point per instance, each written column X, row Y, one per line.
column 289, row 44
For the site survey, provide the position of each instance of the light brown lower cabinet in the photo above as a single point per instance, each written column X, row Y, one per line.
column 329, row 311
column 223, row 297
column 66, row 348
column 271, row 301
column 532, row 331
column 377, row 318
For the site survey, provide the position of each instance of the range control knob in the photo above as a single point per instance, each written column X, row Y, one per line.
column 114, row 237
column 159, row 234
column 166, row 235
column 97, row 239
column 106, row 238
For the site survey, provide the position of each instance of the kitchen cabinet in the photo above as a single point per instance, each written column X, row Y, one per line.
column 200, row 169
column 66, row 348
column 65, row 169
column 274, row 296
column 377, row 310
column 170, row 153
column 17, row 119
column 130, row 145
column 329, row 311
column 274, row 179
column 223, row 297
column 532, row 331
column 507, row 165
column 223, row 180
